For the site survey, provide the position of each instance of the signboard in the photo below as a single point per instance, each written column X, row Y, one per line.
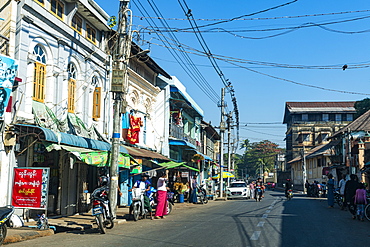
column 8, row 70
column 184, row 174
column 138, row 166
column 117, row 81
column 30, row 187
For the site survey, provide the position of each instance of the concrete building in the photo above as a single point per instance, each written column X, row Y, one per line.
column 310, row 124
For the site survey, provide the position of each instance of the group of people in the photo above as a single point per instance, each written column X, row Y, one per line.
column 353, row 192
column 257, row 189
column 145, row 185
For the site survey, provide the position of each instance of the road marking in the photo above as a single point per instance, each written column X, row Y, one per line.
column 256, row 235
column 268, row 211
column 264, row 216
column 270, row 207
column 260, row 224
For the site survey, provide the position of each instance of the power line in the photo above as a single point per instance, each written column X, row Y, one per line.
column 175, row 55
column 235, row 18
column 203, row 43
column 300, row 83
column 257, row 18
column 187, row 57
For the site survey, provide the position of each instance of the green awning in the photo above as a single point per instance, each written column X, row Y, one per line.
column 173, row 164
column 90, row 156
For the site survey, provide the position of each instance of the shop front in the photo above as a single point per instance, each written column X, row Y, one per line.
column 73, row 163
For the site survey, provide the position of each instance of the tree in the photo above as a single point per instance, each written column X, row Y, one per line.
column 259, row 156
column 362, row 106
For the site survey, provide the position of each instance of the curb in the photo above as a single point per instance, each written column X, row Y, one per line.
column 27, row 235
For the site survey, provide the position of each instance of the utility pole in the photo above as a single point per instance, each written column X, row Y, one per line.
column 304, row 170
column 119, row 88
column 222, row 131
column 228, row 121
column 349, row 151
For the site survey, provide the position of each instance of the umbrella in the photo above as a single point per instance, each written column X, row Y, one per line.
column 225, row 175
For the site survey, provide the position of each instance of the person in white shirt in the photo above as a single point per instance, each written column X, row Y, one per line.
column 341, row 186
column 161, row 210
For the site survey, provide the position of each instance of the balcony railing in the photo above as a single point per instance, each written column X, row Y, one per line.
column 4, row 45
column 178, row 133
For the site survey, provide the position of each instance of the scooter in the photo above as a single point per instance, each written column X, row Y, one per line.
column 289, row 194
column 5, row 214
column 137, row 206
column 101, row 209
column 338, row 198
column 153, row 201
column 202, row 195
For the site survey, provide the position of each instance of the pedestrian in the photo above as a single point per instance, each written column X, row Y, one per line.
column 193, row 193
column 161, row 209
column 360, row 201
column 341, row 187
column 307, row 186
column 144, row 185
column 251, row 188
column 349, row 194
column 330, row 187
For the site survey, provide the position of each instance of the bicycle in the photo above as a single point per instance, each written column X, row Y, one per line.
column 367, row 210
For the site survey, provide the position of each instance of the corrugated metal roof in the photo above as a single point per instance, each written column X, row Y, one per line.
column 143, row 153
column 362, row 123
column 338, row 104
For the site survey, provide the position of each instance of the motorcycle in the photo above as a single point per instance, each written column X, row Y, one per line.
column 137, row 206
column 338, row 198
column 170, row 200
column 5, row 214
column 202, row 195
column 258, row 194
column 101, row 209
column 289, row 194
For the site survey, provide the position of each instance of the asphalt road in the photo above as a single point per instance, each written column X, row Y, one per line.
column 272, row 222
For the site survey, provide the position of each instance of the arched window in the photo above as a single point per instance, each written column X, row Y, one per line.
column 72, row 77
column 96, row 98
column 39, row 74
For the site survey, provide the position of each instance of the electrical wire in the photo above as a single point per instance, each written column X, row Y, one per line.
column 235, row 18
column 300, row 83
column 257, row 18
column 187, row 57
column 213, row 61
column 176, row 55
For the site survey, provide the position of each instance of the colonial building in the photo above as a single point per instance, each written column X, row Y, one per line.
column 310, row 124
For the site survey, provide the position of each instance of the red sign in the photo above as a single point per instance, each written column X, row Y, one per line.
column 27, row 188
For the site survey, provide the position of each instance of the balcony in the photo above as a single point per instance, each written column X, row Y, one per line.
column 178, row 133
column 4, row 45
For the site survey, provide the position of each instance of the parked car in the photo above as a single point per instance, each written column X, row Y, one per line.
column 238, row 189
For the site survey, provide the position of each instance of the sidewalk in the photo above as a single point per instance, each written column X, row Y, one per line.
column 74, row 222
column 25, row 233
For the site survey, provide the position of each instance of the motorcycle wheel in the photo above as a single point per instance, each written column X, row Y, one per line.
column 205, row 200
column 109, row 224
column 101, row 225
column 169, row 208
column 3, row 232
column 135, row 212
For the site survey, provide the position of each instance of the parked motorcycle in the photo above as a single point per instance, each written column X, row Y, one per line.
column 153, row 201
column 338, row 198
column 5, row 214
column 289, row 194
column 137, row 206
column 101, row 209
column 202, row 195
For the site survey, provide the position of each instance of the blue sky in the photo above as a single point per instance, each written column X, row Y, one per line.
column 261, row 98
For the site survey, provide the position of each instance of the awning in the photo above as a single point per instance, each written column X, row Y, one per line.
column 90, row 157
column 173, row 164
column 68, row 139
column 181, row 143
column 144, row 153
